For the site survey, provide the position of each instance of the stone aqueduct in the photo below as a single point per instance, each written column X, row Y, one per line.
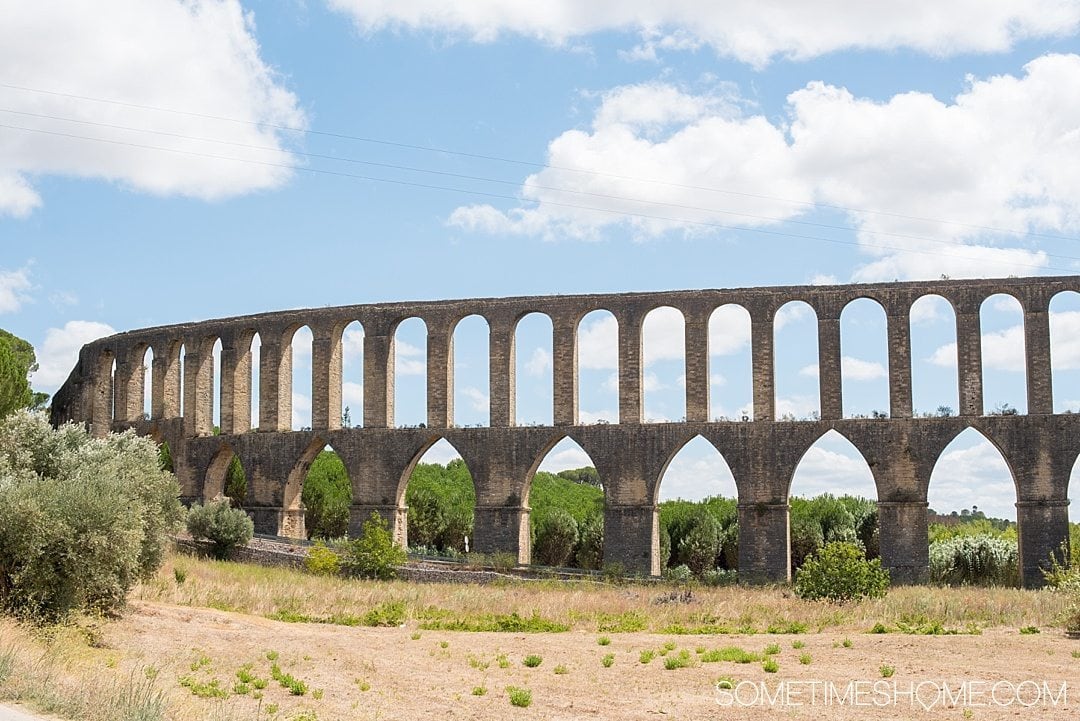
column 106, row 391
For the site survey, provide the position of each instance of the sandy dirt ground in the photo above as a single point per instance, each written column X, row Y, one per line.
column 403, row 673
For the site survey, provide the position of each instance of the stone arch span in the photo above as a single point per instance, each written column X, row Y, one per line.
column 1039, row 446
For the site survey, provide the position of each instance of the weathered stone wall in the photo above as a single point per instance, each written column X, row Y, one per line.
column 1039, row 447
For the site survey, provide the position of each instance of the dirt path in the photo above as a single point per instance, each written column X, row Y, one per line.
column 402, row 673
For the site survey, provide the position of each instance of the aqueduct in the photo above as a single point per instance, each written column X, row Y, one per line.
column 105, row 390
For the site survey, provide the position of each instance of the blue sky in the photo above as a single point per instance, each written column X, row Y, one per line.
column 164, row 161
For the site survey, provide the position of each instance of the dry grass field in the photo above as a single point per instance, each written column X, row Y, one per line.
column 208, row 640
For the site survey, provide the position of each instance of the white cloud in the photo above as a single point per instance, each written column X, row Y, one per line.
column 409, row 360
column 598, row 343
column 196, row 56
column 1003, row 350
column 478, row 400
column 539, row 362
column 810, row 371
column 829, row 470
column 753, row 31
column 352, row 343
column 352, row 395
column 972, row 472
column 857, row 369
column 565, row 455
column 799, row 406
column 301, row 411
column 14, row 285
column 442, row 453
column 1065, row 339
column 663, row 336
column 729, row 330
column 696, row 472
column 58, row 354
column 62, row 299
column 607, row 415
column 995, row 156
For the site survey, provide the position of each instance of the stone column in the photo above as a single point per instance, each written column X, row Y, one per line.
column 440, row 375
column 1040, row 392
column 102, row 409
column 193, row 410
column 378, row 378
column 228, row 388
column 1043, row 529
column 969, row 361
column 396, row 517
column 502, row 374
column 764, row 543
column 502, row 529
column 564, row 352
column 830, row 384
column 761, row 342
column 697, row 367
column 902, row 538
column 899, row 332
column 128, row 391
column 158, row 385
column 630, row 369
column 632, row 538
column 325, row 380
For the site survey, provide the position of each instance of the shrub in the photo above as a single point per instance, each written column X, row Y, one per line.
column 840, row 572
column 590, row 549
column 608, row 660
column 81, row 519
column 532, row 660
column 981, row 560
column 519, row 696
column 374, row 554
column 221, row 524
column 322, row 561
column 701, row 544
column 556, row 537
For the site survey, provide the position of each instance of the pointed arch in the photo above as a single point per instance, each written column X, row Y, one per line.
column 935, row 386
column 1065, row 351
column 534, row 370
column 562, row 482
column 216, row 480
column 795, row 343
column 598, row 367
column 731, row 381
column 324, row 494
column 864, row 359
column 440, row 498
column 471, row 341
column 663, row 353
column 972, row 469
column 1004, row 366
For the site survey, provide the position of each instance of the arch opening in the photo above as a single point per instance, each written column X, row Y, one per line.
column 833, row 497
column 731, row 377
column 864, row 359
column 1004, row 366
column 795, row 344
column 216, row 380
column 471, row 363
column 410, row 374
column 299, row 377
column 255, row 390
column 440, row 496
column 326, row 493
column 147, row 361
column 935, row 386
column 598, row 368
column 699, row 517
column 565, row 495
column 663, row 357
column 352, row 376
column 533, row 370
column 1065, row 351
column 225, row 477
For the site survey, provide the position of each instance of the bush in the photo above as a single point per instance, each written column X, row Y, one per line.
column 374, row 554
column 590, row 550
column 975, row 560
column 81, row 519
column 221, row 524
column 322, row 561
column 840, row 572
column 700, row 546
column 556, row 537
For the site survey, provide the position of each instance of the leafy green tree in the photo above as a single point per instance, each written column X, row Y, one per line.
column 587, row 475
column 17, row 362
column 590, row 549
column 327, row 495
column 700, row 545
column 235, row 482
column 555, row 539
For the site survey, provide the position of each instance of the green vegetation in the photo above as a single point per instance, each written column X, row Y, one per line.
column 682, row 659
column 970, row 559
column 521, row 697
column 322, row 561
column 532, row 660
column 17, row 362
column 326, row 496
column 887, row 671
column 840, row 572
column 81, row 519
column 374, row 554
column 770, row 665
column 221, row 524
column 608, row 660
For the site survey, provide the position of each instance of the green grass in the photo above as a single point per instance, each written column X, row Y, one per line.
column 646, row 655
column 532, row 660
column 887, row 671
column 731, row 654
column 561, row 670
column 772, row 649
column 604, row 641
column 797, row 645
column 682, row 659
column 521, row 697
column 479, row 691
column 770, row 665
column 805, row 659
column 607, row 660
column 1029, row 630
column 505, row 623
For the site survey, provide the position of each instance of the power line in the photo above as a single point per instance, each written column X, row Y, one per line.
column 644, row 216
column 515, row 183
column 534, row 164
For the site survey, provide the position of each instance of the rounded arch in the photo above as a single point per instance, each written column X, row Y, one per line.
column 731, row 377
column 1004, row 365
column 471, row 342
column 254, row 381
column 598, row 367
column 935, row 386
column 217, row 476
column 534, row 350
column 1065, row 351
column 351, row 358
column 410, row 371
column 864, row 359
column 296, row 376
column 972, row 468
column 663, row 360
column 795, row 353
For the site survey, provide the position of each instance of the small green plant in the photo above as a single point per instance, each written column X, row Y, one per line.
column 271, row 655
column 770, row 665
column 772, row 649
column 647, row 655
column 561, row 670
column 502, row 660
column 532, row 660
column 607, row 660
column 682, row 659
column 241, row 689
column 363, row 684
column 479, row 691
column 805, row 659
column 374, row 554
column 1029, row 630
column 1076, row 654
column 317, row 694
column 670, row 645
column 879, row 627
column 295, row 686
column 415, row 636
column 204, row 689
column 521, row 697
column 221, row 524
column 846, row 643
column 840, row 572
column 322, row 561
column 797, row 645
column 604, row 641
column 444, row 644
column 386, row 614
column 179, row 574
column 731, row 654
column 725, row 682
column 887, row 671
